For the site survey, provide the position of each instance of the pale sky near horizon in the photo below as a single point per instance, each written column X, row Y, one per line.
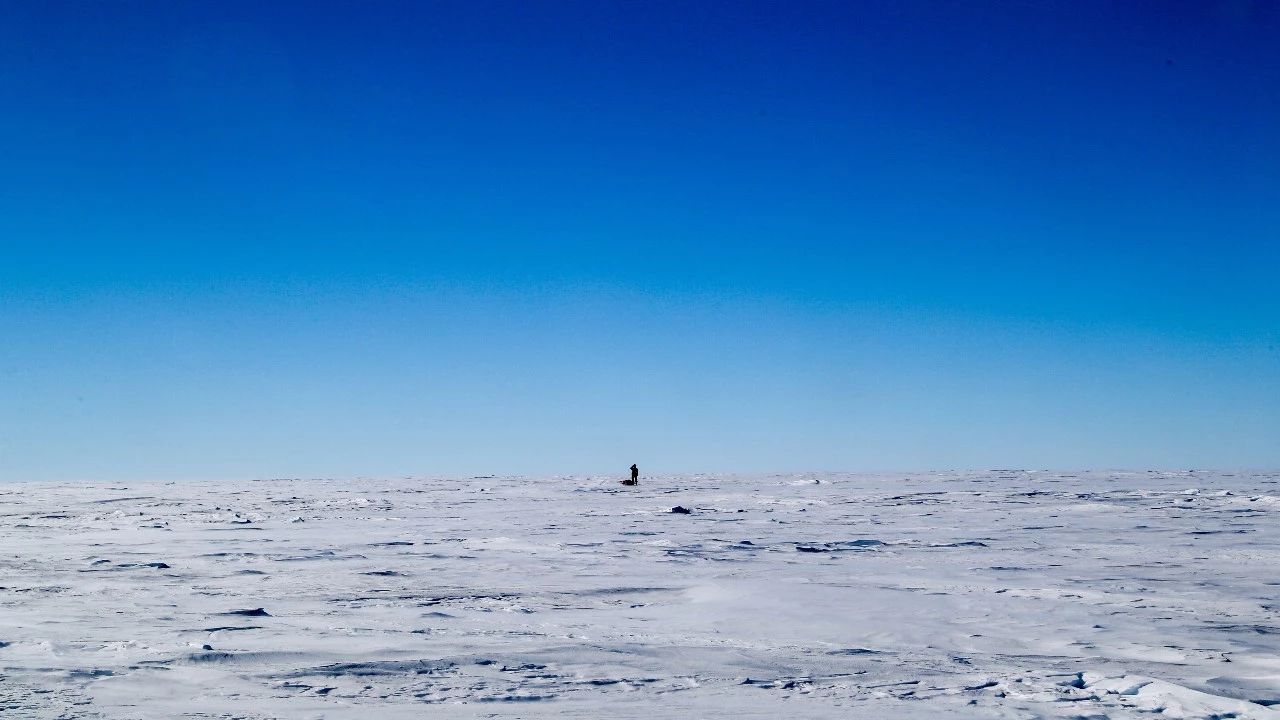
column 336, row 239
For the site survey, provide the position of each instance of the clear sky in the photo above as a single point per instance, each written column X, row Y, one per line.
column 248, row 239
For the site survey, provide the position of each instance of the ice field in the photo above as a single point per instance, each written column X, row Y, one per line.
column 1000, row 594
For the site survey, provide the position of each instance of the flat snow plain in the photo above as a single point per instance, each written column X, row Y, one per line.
column 1001, row 594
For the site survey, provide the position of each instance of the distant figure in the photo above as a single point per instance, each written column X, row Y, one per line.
column 635, row 476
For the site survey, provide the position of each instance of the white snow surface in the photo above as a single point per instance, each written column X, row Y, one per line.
column 999, row 594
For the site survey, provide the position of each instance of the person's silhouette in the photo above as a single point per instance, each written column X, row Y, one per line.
column 635, row 474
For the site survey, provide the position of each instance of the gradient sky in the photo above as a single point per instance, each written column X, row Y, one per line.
column 307, row 239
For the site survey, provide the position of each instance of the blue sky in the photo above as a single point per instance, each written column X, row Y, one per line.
column 334, row 239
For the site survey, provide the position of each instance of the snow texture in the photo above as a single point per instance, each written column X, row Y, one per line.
column 1001, row 594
